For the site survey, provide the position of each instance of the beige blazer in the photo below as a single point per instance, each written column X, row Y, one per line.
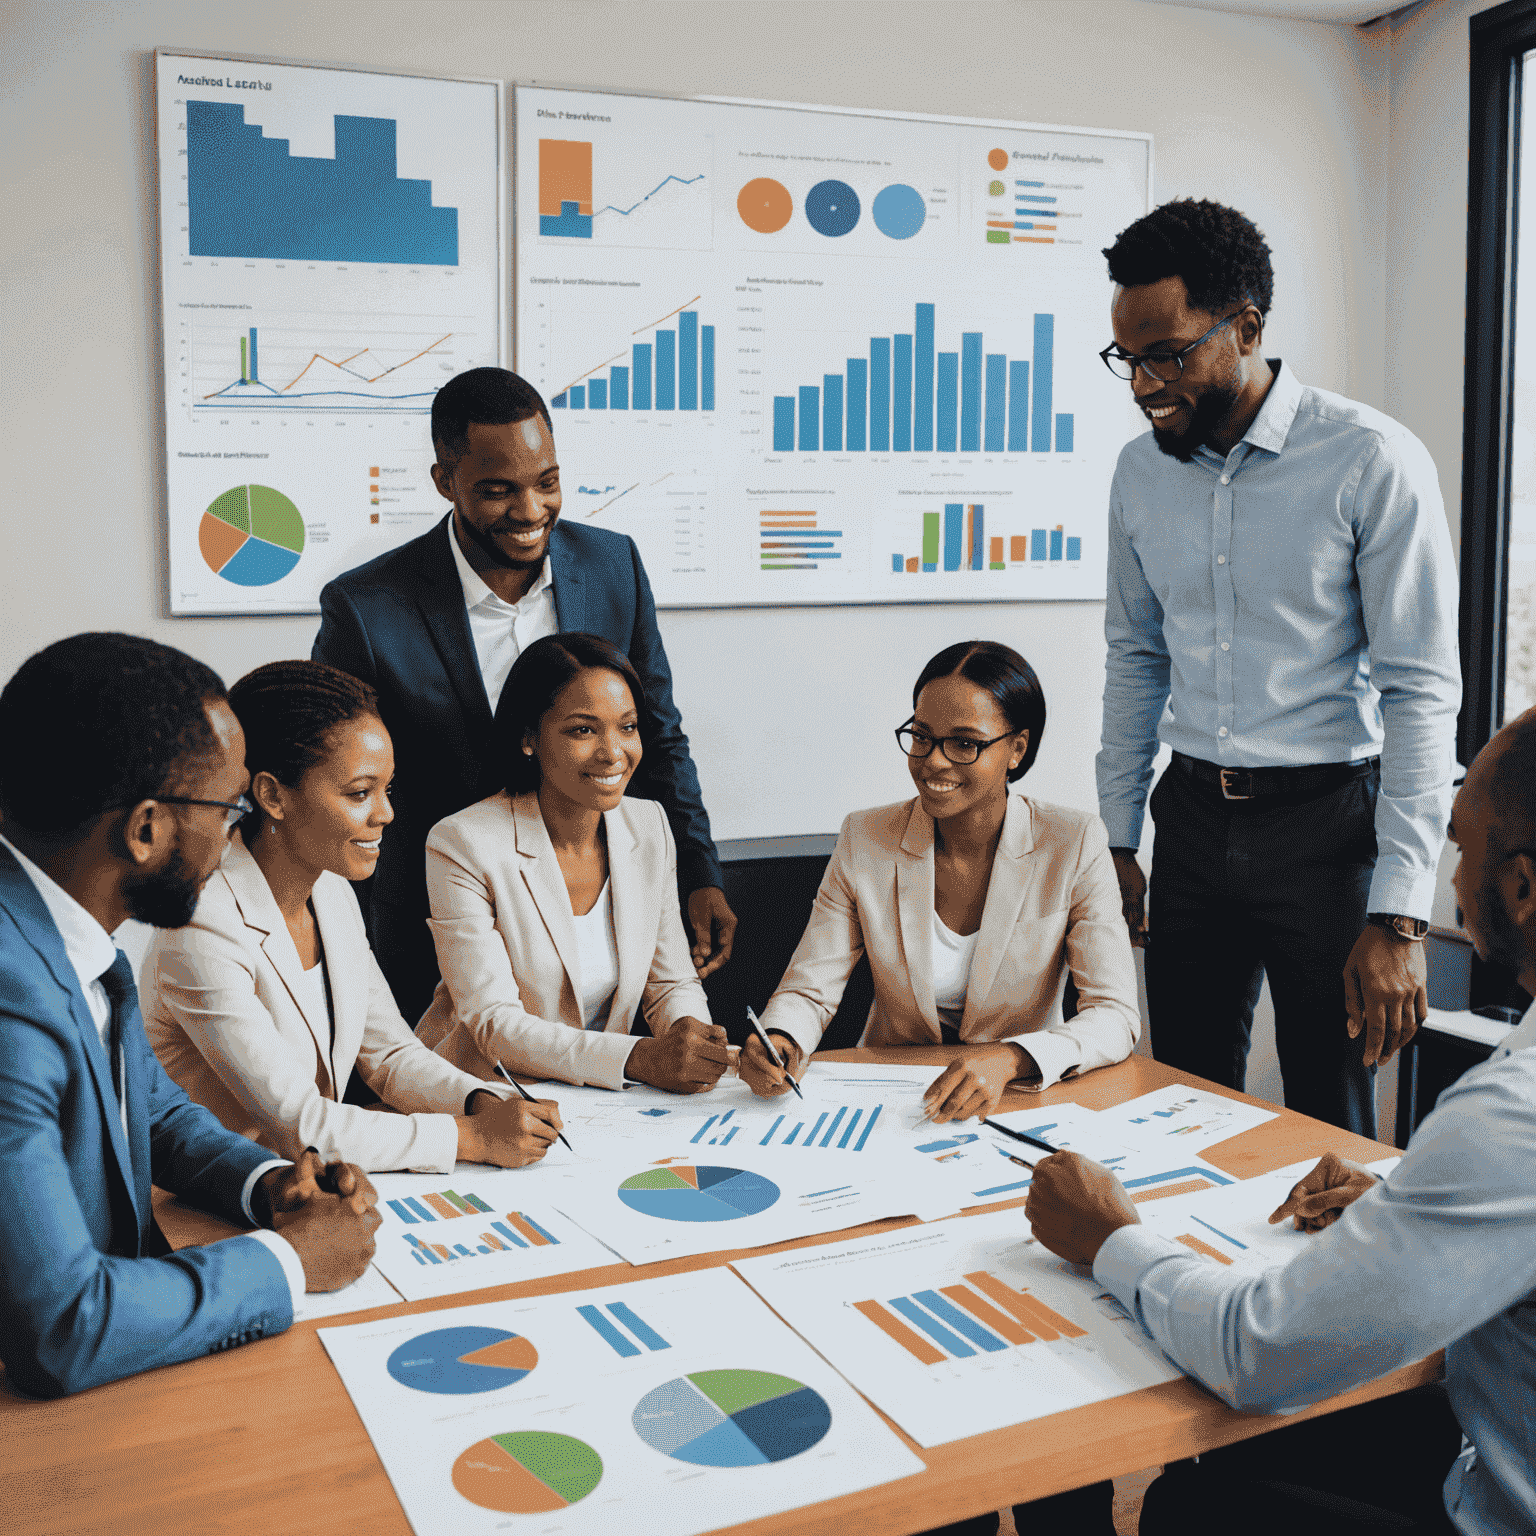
column 231, row 1020
column 1053, row 906
column 506, row 943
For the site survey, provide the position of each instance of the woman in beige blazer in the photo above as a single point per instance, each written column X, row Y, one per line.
column 973, row 905
column 554, row 902
column 268, row 1001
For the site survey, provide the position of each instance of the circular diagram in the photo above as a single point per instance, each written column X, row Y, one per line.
column 899, row 211
column 527, row 1472
column 765, row 205
column 995, row 189
column 463, row 1360
column 832, row 207
column 732, row 1418
column 685, row 1193
column 251, row 535
column 998, row 159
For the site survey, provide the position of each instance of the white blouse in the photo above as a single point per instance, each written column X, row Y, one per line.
column 951, row 971
column 599, row 951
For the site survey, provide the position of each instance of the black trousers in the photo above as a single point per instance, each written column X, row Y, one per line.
column 1242, row 889
column 1079, row 1512
column 1377, row 1467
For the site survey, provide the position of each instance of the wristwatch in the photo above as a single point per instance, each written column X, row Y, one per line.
column 1410, row 929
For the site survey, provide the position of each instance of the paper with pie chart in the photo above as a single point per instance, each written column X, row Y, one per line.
column 667, row 1407
column 962, row 1327
column 683, row 1202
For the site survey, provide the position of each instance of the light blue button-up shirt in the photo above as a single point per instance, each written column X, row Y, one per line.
column 1440, row 1255
column 1293, row 603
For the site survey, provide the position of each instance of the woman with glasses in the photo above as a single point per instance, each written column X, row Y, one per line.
column 554, row 901
column 973, row 904
column 269, row 1002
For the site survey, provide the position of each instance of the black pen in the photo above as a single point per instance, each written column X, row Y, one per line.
column 773, row 1054
column 1033, row 1141
column 568, row 1147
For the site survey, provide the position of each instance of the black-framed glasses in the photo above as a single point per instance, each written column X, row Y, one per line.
column 1164, row 367
column 960, row 750
column 234, row 810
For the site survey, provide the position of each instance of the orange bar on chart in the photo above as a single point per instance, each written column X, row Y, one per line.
column 996, row 547
column 1018, row 547
column 1201, row 1247
column 909, row 1341
column 535, row 1237
column 1159, row 1192
column 1026, row 1308
column 973, row 1304
column 442, row 1207
column 565, row 175
column 438, row 1249
column 495, row 1244
column 912, row 562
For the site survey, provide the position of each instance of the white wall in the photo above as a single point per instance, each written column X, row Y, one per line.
column 789, row 709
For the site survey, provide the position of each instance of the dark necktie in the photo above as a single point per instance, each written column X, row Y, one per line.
column 117, row 981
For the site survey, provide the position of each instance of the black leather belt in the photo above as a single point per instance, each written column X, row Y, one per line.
column 1264, row 783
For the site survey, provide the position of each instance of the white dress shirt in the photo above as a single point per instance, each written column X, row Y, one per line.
column 1441, row 1254
column 598, row 947
column 93, row 953
column 502, row 631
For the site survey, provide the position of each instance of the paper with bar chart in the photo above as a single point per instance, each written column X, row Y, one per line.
column 959, row 1328
column 667, row 1406
column 1184, row 1118
column 806, row 356
column 478, row 1227
column 329, row 256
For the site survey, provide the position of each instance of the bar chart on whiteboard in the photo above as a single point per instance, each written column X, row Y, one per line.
column 805, row 356
column 330, row 257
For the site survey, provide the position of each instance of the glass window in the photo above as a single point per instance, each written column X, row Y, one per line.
column 1520, row 567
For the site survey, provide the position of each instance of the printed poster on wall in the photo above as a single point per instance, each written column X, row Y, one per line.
column 330, row 256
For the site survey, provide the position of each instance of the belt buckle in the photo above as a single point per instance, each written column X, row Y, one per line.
column 1229, row 777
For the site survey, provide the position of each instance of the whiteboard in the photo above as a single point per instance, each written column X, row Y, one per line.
column 803, row 355
column 330, row 254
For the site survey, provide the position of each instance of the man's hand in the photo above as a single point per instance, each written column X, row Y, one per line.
column 758, row 1071
column 974, row 1084
column 280, row 1191
column 333, row 1239
column 714, row 929
column 1133, row 896
column 1074, row 1204
column 508, row 1133
column 689, row 1058
column 1319, row 1199
column 1385, row 992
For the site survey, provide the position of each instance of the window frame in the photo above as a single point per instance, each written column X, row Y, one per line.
column 1500, row 38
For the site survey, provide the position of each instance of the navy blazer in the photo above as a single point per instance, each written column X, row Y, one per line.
column 89, row 1289
column 399, row 623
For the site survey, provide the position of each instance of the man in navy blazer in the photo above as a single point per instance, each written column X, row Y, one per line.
column 435, row 626
column 121, row 773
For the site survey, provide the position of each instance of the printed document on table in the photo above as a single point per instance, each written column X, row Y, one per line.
column 1189, row 1119
column 961, row 1327
column 370, row 1289
column 661, row 1408
column 476, row 1227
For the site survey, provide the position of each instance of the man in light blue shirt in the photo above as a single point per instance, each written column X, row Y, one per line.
column 1442, row 1254
column 1282, row 613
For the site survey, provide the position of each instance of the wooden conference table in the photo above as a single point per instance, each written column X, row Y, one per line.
column 265, row 1438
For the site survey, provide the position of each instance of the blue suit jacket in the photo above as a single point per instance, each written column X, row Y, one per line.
column 399, row 623
column 89, row 1290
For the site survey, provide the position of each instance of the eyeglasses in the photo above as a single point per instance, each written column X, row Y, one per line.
column 961, row 750
column 1164, row 367
column 234, row 810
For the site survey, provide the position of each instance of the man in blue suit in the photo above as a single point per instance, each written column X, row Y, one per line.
column 122, row 771
column 435, row 626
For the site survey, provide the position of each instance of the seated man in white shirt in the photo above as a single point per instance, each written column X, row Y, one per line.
column 122, row 771
column 1440, row 1254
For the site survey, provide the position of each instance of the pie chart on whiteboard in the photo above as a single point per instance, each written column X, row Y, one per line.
column 251, row 535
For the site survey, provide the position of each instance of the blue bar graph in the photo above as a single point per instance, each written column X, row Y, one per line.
column 922, row 381
column 970, row 392
column 837, row 1120
column 810, row 427
column 508, row 1235
column 611, row 1335
column 638, row 1326
column 997, row 389
column 1040, row 420
column 618, row 389
column 954, row 516
column 640, row 359
column 858, row 397
column 1074, row 549
column 832, row 412
column 935, row 1330
column 783, row 423
column 948, row 401
column 962, row 1322
column 688, row 360
column 578, row 394
column 1063, row 432
column 1056, row 542
column 666, row 370
column 1037, row 544
column 835, row 1135
column 978, row 542
column 249, row 197
column 901, row 395
column 1018, row 408
column 879, row 394
column 255, row 377
column 597, row 394
column 706, row 367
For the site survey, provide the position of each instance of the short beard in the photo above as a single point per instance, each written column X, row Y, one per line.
column 1211, row 409
column 1501, row 938
column 165, row 898
column 494, row 552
